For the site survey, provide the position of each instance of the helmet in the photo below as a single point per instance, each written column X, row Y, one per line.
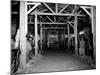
column 29, row 36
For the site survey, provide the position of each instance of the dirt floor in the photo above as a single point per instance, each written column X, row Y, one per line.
column 53, row 62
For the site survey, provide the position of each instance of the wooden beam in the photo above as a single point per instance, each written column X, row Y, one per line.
column 52, row 23
column 43, row 10
column 92, row 19
column 37, row 4
column 56, row 7
column 36, row 34
column 59, row 19
column 41, row 34
column 23, row 31
column 68, row 35
column 48, row 7
column 58, row 14
column 49, row 23
column 70, row 24
column 89, row 7
column 75, row 32
column 54, row 18
column 63, row 9
column 93, row 22
column 79, row 12
column 54, row 27
column 64, row 36
column 85, row 10
column 74, row 10
column 31, row 3
column 50, row 19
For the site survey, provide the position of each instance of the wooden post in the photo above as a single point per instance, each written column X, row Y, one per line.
column 68, row 35
column 41, row 34
column 36, row 34
column 64, row 36
column 54, row 19
column 75, row 32
column 56, row 7
column 23, row 31
column 93, row 22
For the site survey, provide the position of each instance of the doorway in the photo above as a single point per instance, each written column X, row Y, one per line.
column 53, row 40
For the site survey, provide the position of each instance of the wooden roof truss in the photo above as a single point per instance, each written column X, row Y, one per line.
column 56, row 12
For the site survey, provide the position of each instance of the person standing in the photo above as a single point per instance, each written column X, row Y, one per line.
column 82, row 47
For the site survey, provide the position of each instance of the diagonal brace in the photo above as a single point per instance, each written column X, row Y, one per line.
column 37, row 4
column 70, row 24
column 63, row 9
column 48, row 7
column 85, row 10
column 49, row 18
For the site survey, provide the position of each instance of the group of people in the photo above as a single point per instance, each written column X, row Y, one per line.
column 30, row 44
column 15, row 49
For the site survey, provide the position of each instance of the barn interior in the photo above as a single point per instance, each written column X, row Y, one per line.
column 54, row 26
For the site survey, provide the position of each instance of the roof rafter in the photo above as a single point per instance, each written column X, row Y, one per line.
column 85, row 10
column 48, row 7
column 37, row 4
column 63, row 9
